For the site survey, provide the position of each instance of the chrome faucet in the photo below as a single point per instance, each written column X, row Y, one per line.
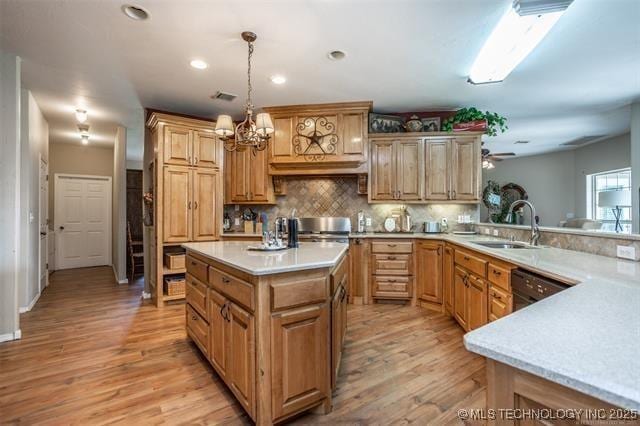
column 535, row 231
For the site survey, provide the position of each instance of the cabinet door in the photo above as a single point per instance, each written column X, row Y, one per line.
column 447, row 279
column 260, row 184
column 205, row 149
column 477, row 301
column 177, row 204
column 218, row 342
column 205, row 205
column 429, row 271
column 460, row 297
column 409, row 170
column 353, row 140
column 336, row 335
column 237, row 184
column 241, row 356
column 465, row 178
column 177, row 145
column 383, row 171
column 299, row 353
column 437, row 169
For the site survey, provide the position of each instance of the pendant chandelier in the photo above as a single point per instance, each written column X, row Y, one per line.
column 249, row 133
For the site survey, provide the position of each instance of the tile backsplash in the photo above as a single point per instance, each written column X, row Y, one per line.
column 338, row 196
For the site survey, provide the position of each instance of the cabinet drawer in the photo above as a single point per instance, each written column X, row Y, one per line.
column 391, row 247
column 391, row 264
column 235, row 289
column 392, row 287
column 196, row 295
column 500, row 303
column 298, row 292
column 499, row 276
column 198, row 329
column 471, row 263
column 197, row 268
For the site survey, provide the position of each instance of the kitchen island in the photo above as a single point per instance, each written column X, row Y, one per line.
column 271, row 324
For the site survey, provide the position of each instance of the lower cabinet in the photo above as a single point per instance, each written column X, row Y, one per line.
column 298, row 351
column 500, row 302
column 447, row 279
column 338, row 331
column 231, row 346
column 460, row 306
column 470, row 299
column 429, row 271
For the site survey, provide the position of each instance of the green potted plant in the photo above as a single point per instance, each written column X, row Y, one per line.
column 472, row 119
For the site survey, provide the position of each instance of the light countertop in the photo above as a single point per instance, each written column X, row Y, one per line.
column 236, row 255
column 586, row 338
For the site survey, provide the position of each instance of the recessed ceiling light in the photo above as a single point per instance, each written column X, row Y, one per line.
column 278, row 79
column 81, row 115
column 135, row 12
column 198, row 64
column 85, row 139
column 336, row 55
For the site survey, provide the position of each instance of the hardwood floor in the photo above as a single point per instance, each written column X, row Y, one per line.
column 93, row 353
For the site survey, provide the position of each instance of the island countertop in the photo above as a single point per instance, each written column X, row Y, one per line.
column 237, row 255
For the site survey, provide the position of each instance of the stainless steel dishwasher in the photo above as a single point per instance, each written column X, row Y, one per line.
column 529, row 288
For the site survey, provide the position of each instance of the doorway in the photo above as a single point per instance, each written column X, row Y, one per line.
column 82, row 226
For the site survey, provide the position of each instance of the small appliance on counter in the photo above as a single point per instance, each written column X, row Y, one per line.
column 292, row 230
column 432, row 227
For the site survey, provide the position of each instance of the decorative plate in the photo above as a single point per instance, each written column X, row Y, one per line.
column 389, row 224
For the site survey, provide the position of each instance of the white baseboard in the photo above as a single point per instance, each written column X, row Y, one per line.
column 16, row 335
column 115, row 274
column 146, row 295
column 24, row 309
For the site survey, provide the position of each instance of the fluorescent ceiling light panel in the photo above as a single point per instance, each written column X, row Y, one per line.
column 510, row 42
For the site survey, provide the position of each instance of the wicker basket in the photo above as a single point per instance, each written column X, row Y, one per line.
column 174, row 260
column 174, row 286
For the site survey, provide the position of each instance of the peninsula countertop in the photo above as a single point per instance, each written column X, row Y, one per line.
column 237, row 255
column 586, row 337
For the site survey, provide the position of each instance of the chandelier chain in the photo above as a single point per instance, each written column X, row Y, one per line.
column 249, row 104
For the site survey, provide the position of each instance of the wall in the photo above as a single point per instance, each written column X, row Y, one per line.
column 609, row 154
column 119, row 231
column 313, row 197
column 549, row 179
column 556, row 182
column 9, row 194
column 76, row 159
column 34, row 145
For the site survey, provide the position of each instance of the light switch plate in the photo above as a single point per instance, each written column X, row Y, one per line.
column 236, row 221
column 626, row 252
column 487, row 231
column 495, row 232
column 368, row 221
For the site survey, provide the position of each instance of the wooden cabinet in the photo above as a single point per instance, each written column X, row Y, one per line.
column 177, row 219
column 425, row 167
column 247, row 179
column 185, row 146
column 477, row 302
column 447, row 279
column 466, row 169
column 500, row 302
column 359, row 255
column 460, row 305
column 429, row 277
column 191, row 204
column 319, row 139
column 299, row 359
column 396, row 170
column 437, row 169
column 241, row 356
column 338, row 330
column 391, row 269
column 185, row 160
column 218, row 333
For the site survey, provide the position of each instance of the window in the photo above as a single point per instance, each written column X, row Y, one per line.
column 608, row 181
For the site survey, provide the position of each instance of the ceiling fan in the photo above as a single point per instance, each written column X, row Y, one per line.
column 488, row 158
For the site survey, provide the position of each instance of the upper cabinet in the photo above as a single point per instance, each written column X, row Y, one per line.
column 247, row 180
column 418, row 168
column 319, row 139
column 184, row 146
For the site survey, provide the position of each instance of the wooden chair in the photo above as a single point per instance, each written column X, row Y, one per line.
column 136, row 255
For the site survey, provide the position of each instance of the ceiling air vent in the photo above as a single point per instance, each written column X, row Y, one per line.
column 224, row 96
column 521, row 142
column 583, row 140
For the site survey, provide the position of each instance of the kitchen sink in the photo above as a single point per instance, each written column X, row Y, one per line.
column 504, row 244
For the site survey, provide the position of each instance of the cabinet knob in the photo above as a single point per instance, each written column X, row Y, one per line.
column 496, row 272
column 194, row 318
column 454, row 194
column 390, row 245
column 226, row 280
column 391, row 258
column 466, row 258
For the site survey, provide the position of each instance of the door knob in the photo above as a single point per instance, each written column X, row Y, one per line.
column 43, row 234
column 62, row 228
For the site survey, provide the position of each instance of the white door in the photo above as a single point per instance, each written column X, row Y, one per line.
column 82, row 221
column 43, row 247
